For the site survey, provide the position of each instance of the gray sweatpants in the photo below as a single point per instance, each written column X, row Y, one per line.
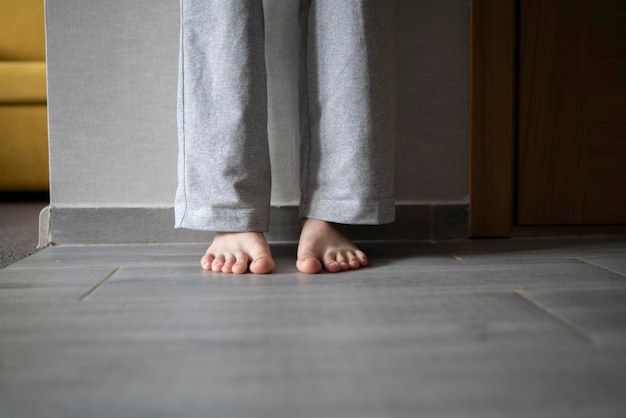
column 346, row 107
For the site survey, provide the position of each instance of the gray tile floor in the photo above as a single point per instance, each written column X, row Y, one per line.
column 493, row 328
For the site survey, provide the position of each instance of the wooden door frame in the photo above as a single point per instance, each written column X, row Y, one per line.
column 492, row 117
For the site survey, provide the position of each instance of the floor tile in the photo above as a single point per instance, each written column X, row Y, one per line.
column 525, row 248
column 249, row 382
column 616, row 263
column 190, row 254
column 33, row 285
column 114, row 255
column 401, row 276
column 281, row 320
column 515, row 328
column 600, row 313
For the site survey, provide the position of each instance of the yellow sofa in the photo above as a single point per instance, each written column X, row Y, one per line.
column 23, row 109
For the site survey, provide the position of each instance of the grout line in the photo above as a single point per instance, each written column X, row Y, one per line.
column 576, row 329
column 446, row 252
column 77, row 266
column 583, row 260
column 99, row 285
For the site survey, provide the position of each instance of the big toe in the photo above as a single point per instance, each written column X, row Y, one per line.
column 309, row 264
column 262, row 265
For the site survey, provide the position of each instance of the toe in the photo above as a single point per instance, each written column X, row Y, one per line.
column 360, row 255
column 308, row 263
column 342, row 260
column 240, row 266
column 229, row 262
column 353, row 262
column 262, row 265
column 218, row 263
column 207, row 261
column 331, row 264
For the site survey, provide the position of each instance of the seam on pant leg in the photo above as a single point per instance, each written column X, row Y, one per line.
column 182, row 110
column 305, row 143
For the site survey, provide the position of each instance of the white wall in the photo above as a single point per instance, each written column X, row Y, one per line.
column 112, row 69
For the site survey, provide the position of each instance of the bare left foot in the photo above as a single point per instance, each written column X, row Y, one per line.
column 238, row 252
column 322, row 245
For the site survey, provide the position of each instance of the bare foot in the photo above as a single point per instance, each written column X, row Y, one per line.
column 322, row 245
column 238, row 252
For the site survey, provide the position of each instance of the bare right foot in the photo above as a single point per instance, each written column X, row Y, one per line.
column 323, row 245
column 238, row 252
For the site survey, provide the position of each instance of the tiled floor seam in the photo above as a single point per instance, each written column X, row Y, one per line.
column 99, row 285
column 571, row 326
column 96, row 265
column 584, row 260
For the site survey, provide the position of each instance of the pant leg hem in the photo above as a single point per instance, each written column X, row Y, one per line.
column 224, row 220
column 351, row 212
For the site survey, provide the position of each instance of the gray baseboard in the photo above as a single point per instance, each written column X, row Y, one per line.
column 67, row 226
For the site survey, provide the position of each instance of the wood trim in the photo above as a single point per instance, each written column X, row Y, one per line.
column 568, row 230
column 492, row 117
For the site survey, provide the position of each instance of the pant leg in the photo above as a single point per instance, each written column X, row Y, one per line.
column 348, row 109
column 223, row 164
